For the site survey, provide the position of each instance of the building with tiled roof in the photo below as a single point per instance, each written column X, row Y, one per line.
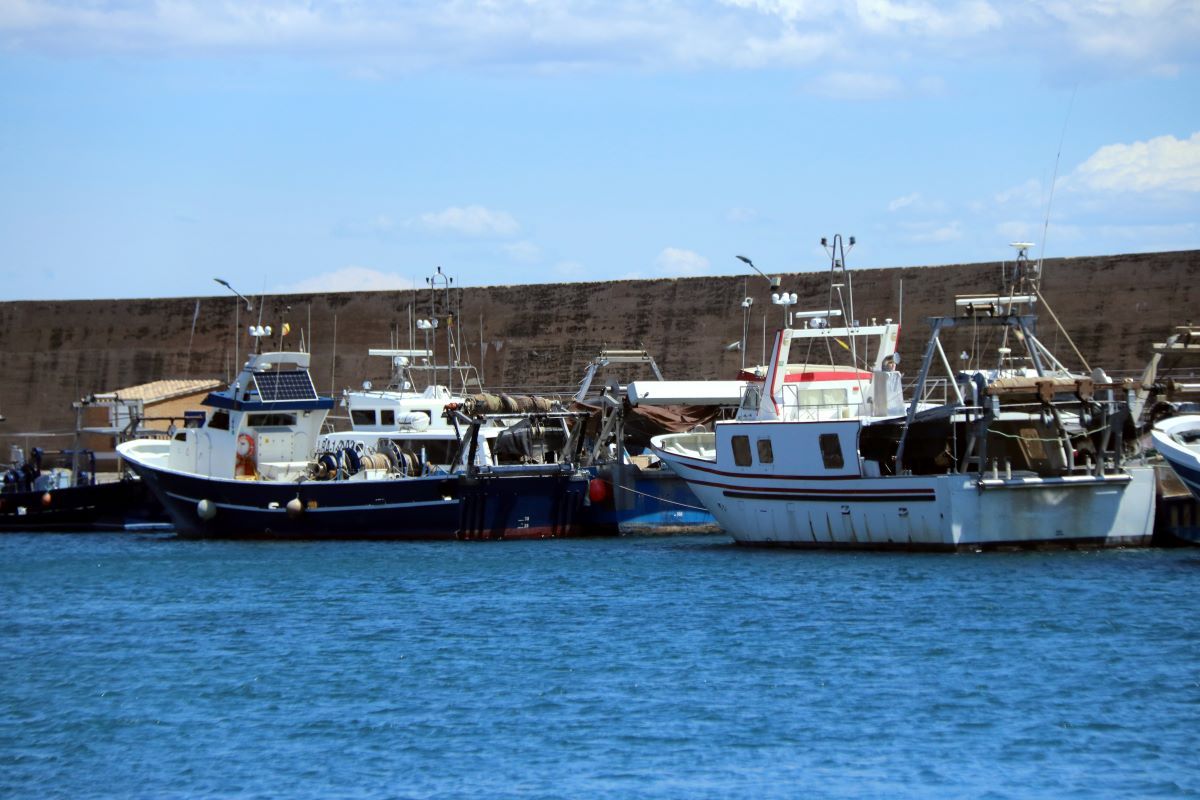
column 111, row 417
column 157, row 392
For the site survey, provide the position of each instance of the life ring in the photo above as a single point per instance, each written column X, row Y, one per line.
column 245, row 464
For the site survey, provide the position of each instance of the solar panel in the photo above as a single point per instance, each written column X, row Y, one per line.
column 289, row 385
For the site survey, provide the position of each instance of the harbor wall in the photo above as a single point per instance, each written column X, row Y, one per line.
column 540, row 337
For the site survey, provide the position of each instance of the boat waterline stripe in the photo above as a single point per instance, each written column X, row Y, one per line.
column 732, row 490
column 831, row 497
column 319, row 509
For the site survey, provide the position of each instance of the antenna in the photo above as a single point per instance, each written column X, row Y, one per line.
column 837, row 270
column 1054, row 180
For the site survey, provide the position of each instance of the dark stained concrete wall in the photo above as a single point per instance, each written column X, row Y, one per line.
column 543, row 335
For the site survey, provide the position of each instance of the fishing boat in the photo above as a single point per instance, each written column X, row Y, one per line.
column 408, row 414
column 1166, row 412
column 1021, row 453
column 252, row 468
column 37, row 496
column 417, row 416
column 633, row 491
column 1177, row 439
column 73, row 489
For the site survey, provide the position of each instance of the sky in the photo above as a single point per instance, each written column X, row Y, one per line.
column 150, row 146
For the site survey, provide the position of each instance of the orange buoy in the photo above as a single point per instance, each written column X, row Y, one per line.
column 598, row 490
column 46, row 499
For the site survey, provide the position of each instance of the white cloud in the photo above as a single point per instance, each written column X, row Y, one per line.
column 523, row 251
column 1028, row 193
column 741, row 215
column 916, row 203
column 349, row 279
column 787, row 10
column 1161, row 164
column 934, row 233
column 376, row 38
column 469, row 221
column 381, row 224
column 676, row 261
column 926, row 19
column 1151, row 31
column 855, row 86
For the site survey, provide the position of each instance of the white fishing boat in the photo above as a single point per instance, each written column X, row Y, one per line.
column 1177, row 440
column 1024, row 453
column 405, row 418
column 1167, row 413
column 414, row 418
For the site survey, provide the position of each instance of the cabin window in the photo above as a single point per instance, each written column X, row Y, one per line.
column 831, row 451
column 387, row 417
column 362, row 417
column 741, row 450
column 269, row 420
column 219, row 420
column 809, row 398
column 765, row 454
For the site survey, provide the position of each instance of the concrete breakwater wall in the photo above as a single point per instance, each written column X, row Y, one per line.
column 539, row 336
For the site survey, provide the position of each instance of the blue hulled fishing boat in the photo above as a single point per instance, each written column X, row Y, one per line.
column 252, row 469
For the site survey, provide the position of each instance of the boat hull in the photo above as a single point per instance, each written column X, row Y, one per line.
column 111, row 506
column 648, row 502
column 928, row 512
column 499, row 505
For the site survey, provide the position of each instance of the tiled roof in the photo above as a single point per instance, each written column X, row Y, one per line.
column 158, row 391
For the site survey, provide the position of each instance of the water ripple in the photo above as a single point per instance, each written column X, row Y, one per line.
column 661, row 668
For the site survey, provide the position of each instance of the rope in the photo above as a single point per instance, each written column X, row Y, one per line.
column 654, row 497
column 1038, row 438
column 1054, row 317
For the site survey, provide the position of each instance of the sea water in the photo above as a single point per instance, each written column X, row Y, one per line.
column 147, row 666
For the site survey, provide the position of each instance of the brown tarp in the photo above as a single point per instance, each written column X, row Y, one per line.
column 644, row 422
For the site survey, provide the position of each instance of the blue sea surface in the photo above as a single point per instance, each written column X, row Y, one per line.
column 684, row 667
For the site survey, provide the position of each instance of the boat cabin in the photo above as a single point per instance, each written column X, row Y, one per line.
column 803, row 383
column 267, row 421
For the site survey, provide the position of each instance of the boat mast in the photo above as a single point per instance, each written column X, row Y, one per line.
column 839, row 276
